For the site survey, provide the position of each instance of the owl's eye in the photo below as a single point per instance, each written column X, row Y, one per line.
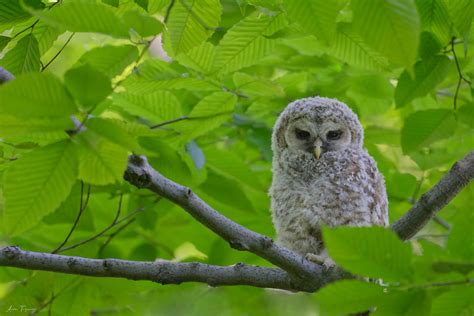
column 300, row 134
column 333, row 135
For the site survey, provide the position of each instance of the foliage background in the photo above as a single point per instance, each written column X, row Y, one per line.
column 225, row 70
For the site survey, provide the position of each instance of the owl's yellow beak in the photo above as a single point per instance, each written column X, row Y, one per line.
column 317, row 148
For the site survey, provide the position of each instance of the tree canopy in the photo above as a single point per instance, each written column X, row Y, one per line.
column 195, row 86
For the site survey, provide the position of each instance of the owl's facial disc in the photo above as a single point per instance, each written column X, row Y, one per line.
column 317, row 137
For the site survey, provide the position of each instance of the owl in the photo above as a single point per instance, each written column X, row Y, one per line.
column 322, row 176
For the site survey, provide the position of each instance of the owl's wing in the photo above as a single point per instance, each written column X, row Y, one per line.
column 379, row 203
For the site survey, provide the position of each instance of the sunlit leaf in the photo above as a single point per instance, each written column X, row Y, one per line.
column 191, row 22
column 391, row 27
column 80, row 16
column 434, row 17
column 24, row 57
column 370, row 251
column 424, row 127
column 456, row 301
column 34, row 95
column 37, row 184
column 142, row 24
column 428, row 74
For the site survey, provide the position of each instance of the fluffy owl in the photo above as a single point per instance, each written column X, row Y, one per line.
column 322, row 175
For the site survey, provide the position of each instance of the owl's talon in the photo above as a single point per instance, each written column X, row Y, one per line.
column 324, row 260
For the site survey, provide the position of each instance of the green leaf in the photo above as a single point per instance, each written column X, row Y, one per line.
column 317, row 17
column 145, row 86
column 111, row 60
column 36, row 95
column 4, row 40
column 428, row 74
column 156, row 107
column 34, row 129
column 142, row 24
column 231, row 166
column 46, row 35
column 461, row 238
column 390, row 26
column 88, row 85
column 190, row 23
column 252, row 86
column 101, row 162
column 244, row 44
column 466, row 114
column 208, row 114
column 12, row 11
column 36, row 185
column 456, row 301
column 349, row 296
column 434, row 17
column 199, row 58
column 425, row 127
column 406, row 303
column 85, row 16
column 24, row 57
column 351, row 48
column 462, row 12
column 112, row 131
column 370, row 251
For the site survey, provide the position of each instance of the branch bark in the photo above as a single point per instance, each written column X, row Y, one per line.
column 164, row 272
column 458, row 177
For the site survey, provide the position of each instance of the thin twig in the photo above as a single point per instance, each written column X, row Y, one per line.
column 181, row 118
column 102, row 232
column 82, row 207
column 461, row 77
column 59, row 52
column 115, row 233
column 168, row 10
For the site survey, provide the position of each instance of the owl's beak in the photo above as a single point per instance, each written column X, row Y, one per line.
column 317, row 148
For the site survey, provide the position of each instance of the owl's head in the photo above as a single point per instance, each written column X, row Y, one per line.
column 316, row 126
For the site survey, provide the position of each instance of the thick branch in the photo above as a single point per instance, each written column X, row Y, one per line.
column 164, row 272
column 142, row 175
column 461, row 173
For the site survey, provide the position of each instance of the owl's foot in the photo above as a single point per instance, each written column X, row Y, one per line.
column 323, row 259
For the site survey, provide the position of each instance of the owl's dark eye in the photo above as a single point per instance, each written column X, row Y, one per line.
column 333, row 135
column 300, row 134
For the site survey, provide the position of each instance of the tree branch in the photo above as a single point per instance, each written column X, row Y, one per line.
column 461, row 173
column 142, row 175
column 164, row 272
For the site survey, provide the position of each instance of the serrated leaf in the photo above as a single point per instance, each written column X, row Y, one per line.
column 111, row 60
column 461, row 238
column 390, row 26
column 461, row 12
column 231, row 166
column 142, row 24
column 406, row 303
column 456, row 301
column 199, row 58
column 191, row 22
column 4, row 40
column 112, row 131
column 370, row 251
column 208, row 114
column 36, row 95
column 88, row 85
column 349, row 296
column 244, row 44
column 156, row 107
column 101, row 162
column 23, row 58
column 351, row 48
column 425, row 127
column 37, row 183
column 140, row 85
column 12, row 11
column 253, row 86
column 82, row 16
column 46, row 35
column 434, row 17
column 428, row 74
column 317, row 17
column 34, row 129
